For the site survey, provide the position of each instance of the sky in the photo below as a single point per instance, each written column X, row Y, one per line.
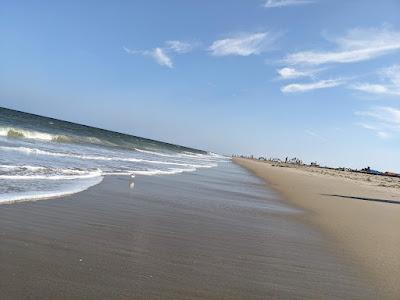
column 314, row 79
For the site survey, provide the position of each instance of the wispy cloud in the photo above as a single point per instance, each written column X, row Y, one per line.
column 283, row 3
column 383, row 121
column 162, row 55
column 314, row 134
column 379, row 132
column 383, row 134
column 370, row 88
column 158, row 54
column 305, row 87
column 356, row 45
column 179, row 46
column 292, row 73
column 244, row 44
column 130, row 51
column 384, row 114
column 389, row 85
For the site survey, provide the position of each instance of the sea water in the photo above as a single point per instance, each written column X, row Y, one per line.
column 42, row 157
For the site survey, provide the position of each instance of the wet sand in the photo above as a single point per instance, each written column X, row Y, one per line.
column 211, row 234
column 361, row 213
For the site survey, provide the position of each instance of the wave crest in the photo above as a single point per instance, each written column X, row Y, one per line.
column 13, row 132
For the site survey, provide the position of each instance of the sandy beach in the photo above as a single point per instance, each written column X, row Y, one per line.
column 360, row 213
column 213, row 234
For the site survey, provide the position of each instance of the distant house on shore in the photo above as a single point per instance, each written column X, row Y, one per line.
column 294, row 161
column 370, row 171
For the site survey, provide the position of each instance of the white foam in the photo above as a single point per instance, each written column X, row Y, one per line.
column 161, row 172
column 156, row 153
column 41, row 195
column 150, row 172
column 185, row 154
column 15, row 167
column 53, row 177
column 117, row 173
column 36, row 151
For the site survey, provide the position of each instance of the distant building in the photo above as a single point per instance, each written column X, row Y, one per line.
column 294, row 161
column 370, row 171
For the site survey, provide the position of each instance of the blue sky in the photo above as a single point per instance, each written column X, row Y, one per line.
column 319, row 80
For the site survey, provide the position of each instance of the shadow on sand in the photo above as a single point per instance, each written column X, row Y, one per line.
column 364, row 198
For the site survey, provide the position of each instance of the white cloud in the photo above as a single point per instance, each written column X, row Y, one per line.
column 357, row 45
column 375, row 89
column 158, row 54
column 383, row 121
column 310, row 132
column 377, row 130
column 161, row 57
column 305, row 87
column 291, row 73
column 383, row 134
column 370, row 88
column 386, row 114
column 392, row 74
column 390, row 86
column 243, row 45
column 367, row 126
column 179, row 46
column 282, row 3
column 314, row 134
column 129, row 51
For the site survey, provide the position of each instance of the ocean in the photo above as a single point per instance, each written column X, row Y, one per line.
column 42, row 157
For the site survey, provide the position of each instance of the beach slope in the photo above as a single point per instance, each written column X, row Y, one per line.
column 361, row 215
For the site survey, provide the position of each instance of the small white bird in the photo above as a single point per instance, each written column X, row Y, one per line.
column 131, row 182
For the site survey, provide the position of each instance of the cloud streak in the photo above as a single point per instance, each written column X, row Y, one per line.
column 284, row 3
column 158, row 54
column 306, row 87
column 378, row 89
column 383, row 121
column 314, row 134
column 386, row 114
column 243, row 45
column 179, row 46
column 356, row 45
column 292, row 73
column 390, row 85
column 162, row 55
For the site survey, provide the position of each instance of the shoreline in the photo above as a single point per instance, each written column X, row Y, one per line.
column 361, row 218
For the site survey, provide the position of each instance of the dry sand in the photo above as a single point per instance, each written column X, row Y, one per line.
column 360, row 212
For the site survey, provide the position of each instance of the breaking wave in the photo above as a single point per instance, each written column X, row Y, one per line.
column 15, row 132
column 98, row 157
column 23, row 133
